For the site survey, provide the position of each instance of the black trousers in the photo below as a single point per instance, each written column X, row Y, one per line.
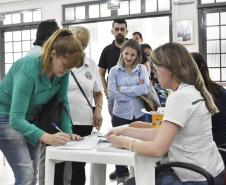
column 78, row 168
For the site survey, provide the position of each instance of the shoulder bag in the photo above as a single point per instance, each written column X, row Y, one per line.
column 151, row 100
column 50, row 113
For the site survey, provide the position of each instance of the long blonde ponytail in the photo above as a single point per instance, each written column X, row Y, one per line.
column 176, row 58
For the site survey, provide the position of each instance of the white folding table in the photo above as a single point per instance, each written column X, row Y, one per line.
column 144, row 167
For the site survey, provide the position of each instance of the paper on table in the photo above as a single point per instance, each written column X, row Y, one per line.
column 88, row 143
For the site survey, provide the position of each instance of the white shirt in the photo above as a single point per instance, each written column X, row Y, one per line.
column 36, row 50
column 89, row 79
column 194, row 141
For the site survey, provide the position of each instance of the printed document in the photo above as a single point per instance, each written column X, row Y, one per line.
column 87, row 143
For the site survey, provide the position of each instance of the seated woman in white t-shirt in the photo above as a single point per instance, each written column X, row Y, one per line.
column 186, row 130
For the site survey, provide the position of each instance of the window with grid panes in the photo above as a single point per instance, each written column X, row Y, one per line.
column 214, row 26
column 22, row 17
column 100, row 27
column 19, row 32
column 86, row 11
column 17, row 43
column 211, row 1
column 100, row 33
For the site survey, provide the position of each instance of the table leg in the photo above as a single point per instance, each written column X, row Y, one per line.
column 131, row 172
column 49, row 171
column 144, row 170
column 97, row 174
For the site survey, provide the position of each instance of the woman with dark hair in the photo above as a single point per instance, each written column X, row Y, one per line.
column 45, row 29
column 219, row 97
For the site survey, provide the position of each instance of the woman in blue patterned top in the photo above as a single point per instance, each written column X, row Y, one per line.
column 126, row 82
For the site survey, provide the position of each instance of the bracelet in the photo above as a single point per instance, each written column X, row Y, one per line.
column 131, row 145
column 99, row 105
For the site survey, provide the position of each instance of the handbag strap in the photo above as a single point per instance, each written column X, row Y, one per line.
column 82, row 91
column 66, row 110
column 68, row 114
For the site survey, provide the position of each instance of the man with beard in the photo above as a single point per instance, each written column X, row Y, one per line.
column 109, row 58
column 110, row 54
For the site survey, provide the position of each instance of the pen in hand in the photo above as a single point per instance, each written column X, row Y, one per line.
column 56, row 127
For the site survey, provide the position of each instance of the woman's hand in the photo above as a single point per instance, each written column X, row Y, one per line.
column 97, row 118
column 117, row 131
column 75, row 137
column 119, row 141
column 59, row 138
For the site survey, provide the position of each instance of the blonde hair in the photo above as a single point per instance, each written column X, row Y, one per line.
column 82, row 34
column 176, row 58
column 134, row 45
column 65, row 45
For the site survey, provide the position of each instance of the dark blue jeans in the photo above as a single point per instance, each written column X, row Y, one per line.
column 170, row 178
column 117, row 121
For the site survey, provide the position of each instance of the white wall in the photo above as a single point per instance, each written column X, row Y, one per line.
column 52, row 9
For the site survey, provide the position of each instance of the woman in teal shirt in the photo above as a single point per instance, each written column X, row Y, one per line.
column 30, row 83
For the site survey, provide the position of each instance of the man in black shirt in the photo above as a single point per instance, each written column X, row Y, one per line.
column 109, row 58
column 110, row 54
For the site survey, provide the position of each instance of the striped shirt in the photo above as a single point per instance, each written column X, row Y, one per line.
column 124, row 88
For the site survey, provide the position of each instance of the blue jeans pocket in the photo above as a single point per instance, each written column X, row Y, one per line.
column 7, row 133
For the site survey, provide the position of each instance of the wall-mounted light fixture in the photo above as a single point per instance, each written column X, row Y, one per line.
column 114, row 5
